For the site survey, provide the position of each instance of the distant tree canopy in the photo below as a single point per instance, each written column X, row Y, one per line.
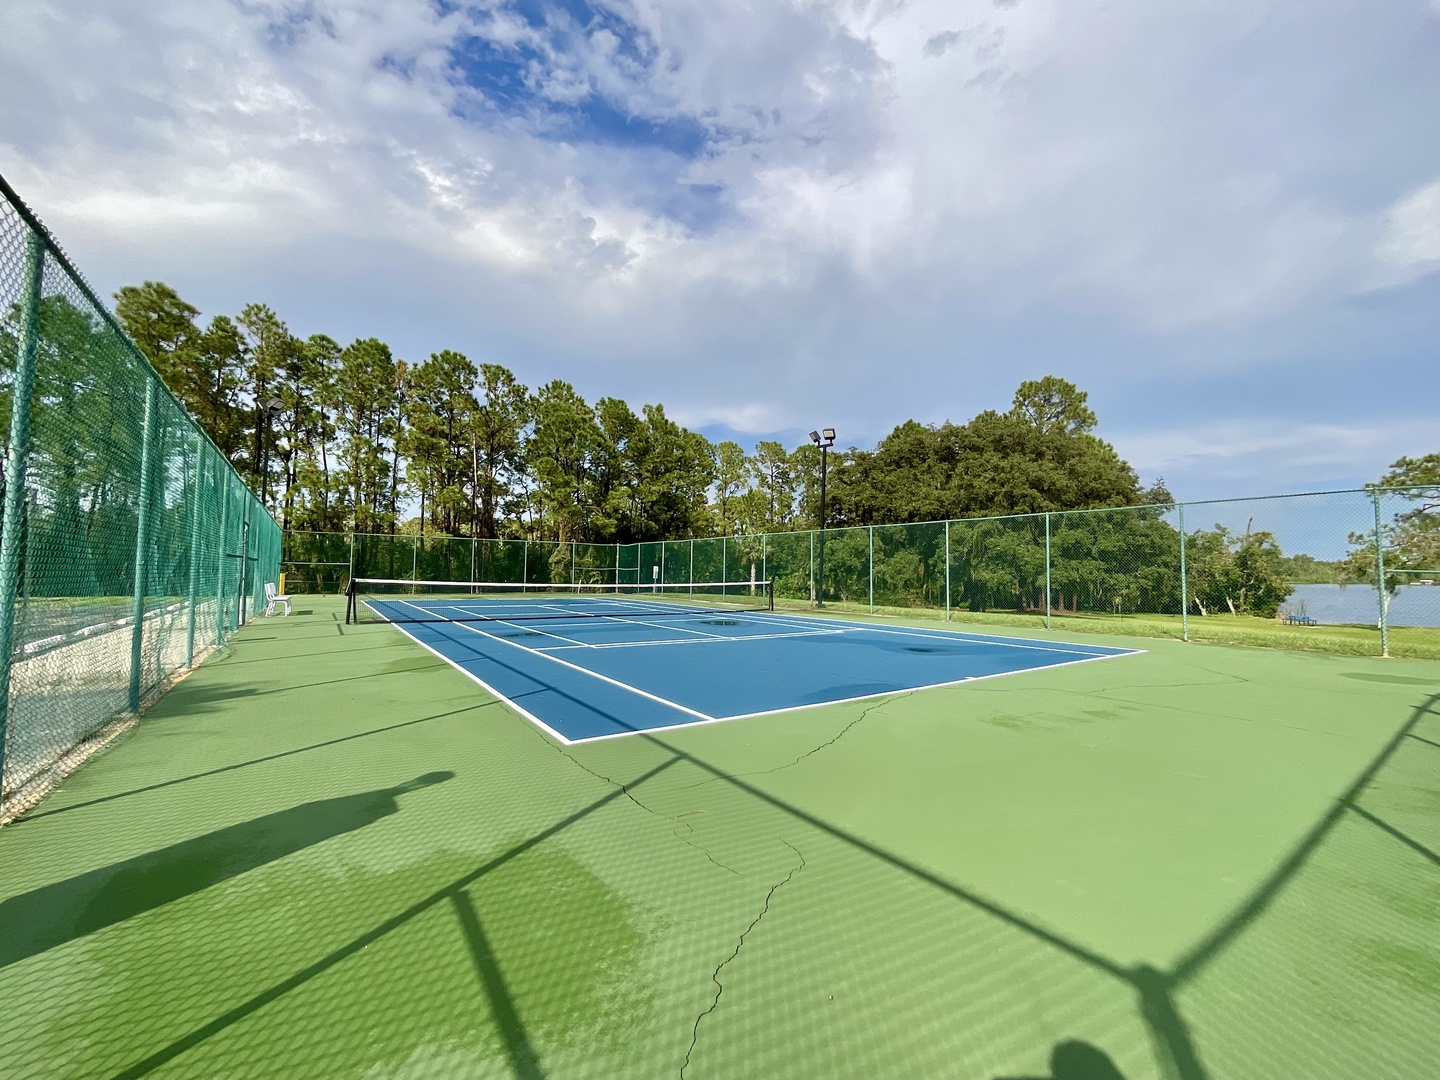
column 1415, row 538
column 1040, row 456
column 1412, row 539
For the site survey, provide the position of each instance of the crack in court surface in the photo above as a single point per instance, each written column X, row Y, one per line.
column 625, row 790
column 715, row 975
column 872, row 707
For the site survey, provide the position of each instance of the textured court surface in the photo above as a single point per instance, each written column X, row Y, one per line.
column 330, row 855
column 595, row 676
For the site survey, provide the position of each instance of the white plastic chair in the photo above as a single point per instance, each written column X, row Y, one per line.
column 275, row 600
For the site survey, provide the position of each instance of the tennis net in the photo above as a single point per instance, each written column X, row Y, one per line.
column 397, row 600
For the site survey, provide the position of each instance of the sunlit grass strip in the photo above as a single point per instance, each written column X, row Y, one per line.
column 1416, row 643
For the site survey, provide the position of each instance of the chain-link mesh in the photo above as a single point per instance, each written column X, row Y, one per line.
column 316, row 562
column 1300, row 561
column 130, row 547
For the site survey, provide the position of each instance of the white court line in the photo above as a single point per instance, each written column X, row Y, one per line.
column 947, row 635
column 612, row 618
column 707, row 719
column 564, row 613
column 587, row 671
column 859, row 697
column 502, row 622
column 526, row 713
column 663, row 613
column 682, row 629
column 671, row 611
column 692, row 641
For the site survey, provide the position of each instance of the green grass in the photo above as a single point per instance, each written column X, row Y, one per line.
column 329, row 854
column 1407, row 642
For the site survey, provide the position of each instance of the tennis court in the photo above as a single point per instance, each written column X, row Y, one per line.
column 596, row 662
column 331, row 854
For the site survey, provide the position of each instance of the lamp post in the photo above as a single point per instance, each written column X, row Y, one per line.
column 824, row 439
column 266, row 409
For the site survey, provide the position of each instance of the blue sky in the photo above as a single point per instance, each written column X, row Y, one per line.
column 1221, row 218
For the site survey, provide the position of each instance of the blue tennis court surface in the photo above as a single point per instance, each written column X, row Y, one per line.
column 595, row 676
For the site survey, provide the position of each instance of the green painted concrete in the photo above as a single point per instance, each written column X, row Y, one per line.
column 330, row 855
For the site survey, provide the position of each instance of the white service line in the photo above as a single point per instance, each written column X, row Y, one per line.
column 637, row 622
column 692, row 641
column 502, row 622
column 587, row 671
column 950, row 635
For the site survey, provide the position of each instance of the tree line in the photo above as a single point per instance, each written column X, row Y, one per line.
column 336, row 438
column 345, row 437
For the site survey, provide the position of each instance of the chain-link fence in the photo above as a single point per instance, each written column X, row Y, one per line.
column 130, row 546
column 1209, row 569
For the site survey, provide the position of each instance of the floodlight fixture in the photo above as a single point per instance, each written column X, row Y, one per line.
column 815, row 437
column 829, row 434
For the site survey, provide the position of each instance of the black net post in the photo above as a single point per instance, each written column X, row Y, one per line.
column 11, row 540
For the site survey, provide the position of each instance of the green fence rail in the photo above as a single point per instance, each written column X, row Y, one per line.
column 130, row 547
column 1353, row 557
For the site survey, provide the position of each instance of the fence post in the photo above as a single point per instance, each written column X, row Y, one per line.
column 617, row 567
column 525, row 566
column 142, row 543
column 1047, row 573
column 11, row 540
column 765, row 559
column 947, row 570
column 1380, row 576
column 241, row 595
column 1184, row 582
column 414, row 558
column 691, row 579
column 724, row 560
column 813, row 594
column 195, row 545
column 572, row 562
column 872, row 569
column 474, row 547
column 221, row 563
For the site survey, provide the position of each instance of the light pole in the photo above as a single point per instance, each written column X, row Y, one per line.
column 266, row 409
column 824, row 439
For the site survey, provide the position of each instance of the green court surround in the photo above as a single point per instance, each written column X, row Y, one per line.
column 328, row 854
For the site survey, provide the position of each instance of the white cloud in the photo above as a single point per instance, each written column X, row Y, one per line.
column 753, row 418
column 1412, row 229
column 1032, row 145
column 1237, row 455
column 912, row 206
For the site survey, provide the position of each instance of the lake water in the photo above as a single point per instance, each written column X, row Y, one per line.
column 1412, row 605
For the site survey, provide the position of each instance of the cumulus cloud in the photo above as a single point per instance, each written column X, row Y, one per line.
column 1412, row 230
column 1236, row 454
column 884, row 209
